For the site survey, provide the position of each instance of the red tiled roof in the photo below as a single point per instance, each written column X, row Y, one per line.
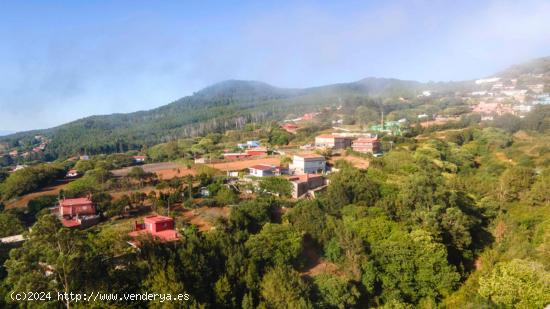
column 262, row 167
column 75, row 201
column 156, row 219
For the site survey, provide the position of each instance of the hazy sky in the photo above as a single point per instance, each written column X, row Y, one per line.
column 64, row 60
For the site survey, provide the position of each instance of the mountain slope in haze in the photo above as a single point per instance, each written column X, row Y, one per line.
column 223, row 106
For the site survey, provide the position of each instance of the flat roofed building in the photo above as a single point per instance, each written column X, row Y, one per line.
column 308, row 164
column 333, row 141
column 160, row 227
column 366, row 145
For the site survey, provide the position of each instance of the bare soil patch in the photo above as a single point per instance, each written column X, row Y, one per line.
column 204, row 217
column 164, row 170
column 243, row 164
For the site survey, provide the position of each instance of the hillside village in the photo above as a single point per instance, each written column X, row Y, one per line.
column 440, row 169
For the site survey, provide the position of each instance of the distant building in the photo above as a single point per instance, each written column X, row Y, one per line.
column 13, row 153
column 366, row 145
column 486, row 108
column 235, row 156
column 139, row 159
column 256, row 151
column 159, row 227
column 487, row 80
column 301, row 184
column 72, row 173
column 392, row 127
column 84, row 157
column 200, row 160
column 309, row 116
column 333, row 142
column 308, row 164
column 262, row 170
column 290, row 127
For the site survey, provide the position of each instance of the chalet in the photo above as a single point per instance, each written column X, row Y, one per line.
column 159, row 227
column 290, row 128
column 139, row 159
column 366, row 145
column 262, row 170
column 13, row 153
column 76, row 212
column 235, row 155
column 257, row 151
column 308, row 164
column 301, row 184
column 72, row 173
column 332, row 141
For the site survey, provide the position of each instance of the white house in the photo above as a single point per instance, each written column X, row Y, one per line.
column 308, row 164
column 262, row 170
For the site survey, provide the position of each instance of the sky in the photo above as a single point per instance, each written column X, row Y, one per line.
column 64, row 60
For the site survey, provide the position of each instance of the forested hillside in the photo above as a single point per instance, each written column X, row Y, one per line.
column 226, row 105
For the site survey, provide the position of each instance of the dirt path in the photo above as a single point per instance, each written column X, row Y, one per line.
column 49, row 190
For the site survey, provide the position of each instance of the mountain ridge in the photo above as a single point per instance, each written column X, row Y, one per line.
column 222, row 106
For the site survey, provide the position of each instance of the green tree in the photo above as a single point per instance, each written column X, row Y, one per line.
column 10, row 224
column 226, row 196
column 518, row 284
column 276, row 244
column 276, row 185
column 282, row 287
column 335, row 292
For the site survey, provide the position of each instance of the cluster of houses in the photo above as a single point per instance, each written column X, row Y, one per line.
column 248, row 149
column 305, row 173
column 82, row 213
column 499, row 96
column 43, row 142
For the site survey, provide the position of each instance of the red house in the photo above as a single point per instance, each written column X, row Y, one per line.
column 77, row 212
column 235, row 156
column 290, row 127
column 76, row 207
column 159, row 227
column 257, row 151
